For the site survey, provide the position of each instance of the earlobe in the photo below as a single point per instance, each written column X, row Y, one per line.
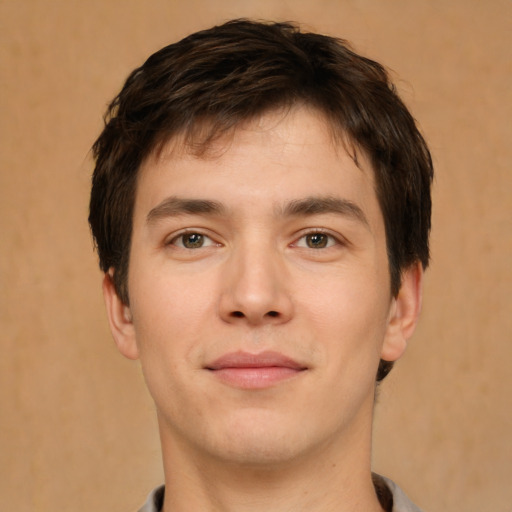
column 404, row 313
column 120, row 319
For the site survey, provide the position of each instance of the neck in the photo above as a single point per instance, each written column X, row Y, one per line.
column 320, row 481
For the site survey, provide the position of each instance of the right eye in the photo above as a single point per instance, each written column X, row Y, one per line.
column 192, row 240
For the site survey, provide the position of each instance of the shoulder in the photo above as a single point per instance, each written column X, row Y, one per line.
column 155, row 500
column 401, row 503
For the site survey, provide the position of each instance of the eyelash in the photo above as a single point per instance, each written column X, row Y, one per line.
column 180, row 236
column 331, row 241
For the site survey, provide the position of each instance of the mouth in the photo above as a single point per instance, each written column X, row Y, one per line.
column 254, row 371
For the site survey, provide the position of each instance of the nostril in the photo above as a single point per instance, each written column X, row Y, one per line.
column 237, row 314
column 273, row 313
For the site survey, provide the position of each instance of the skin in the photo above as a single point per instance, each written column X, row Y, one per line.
column 257, row 271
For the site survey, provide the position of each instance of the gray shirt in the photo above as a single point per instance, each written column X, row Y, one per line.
column 387, row 491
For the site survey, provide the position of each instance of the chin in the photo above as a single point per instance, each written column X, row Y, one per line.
column 258, row 453
column 262, row 443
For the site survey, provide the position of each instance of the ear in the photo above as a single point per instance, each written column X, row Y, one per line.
column 404, row 313
column 120, row 319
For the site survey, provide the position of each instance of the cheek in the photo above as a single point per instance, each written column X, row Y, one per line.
column 349, row 315
column 169, row 321
column 169, row 314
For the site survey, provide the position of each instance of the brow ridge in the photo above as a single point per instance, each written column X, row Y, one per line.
column 175, row 206
column 315, row 205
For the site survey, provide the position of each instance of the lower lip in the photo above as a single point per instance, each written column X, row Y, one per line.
column 255, row 378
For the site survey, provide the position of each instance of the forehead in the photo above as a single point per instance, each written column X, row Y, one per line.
column 279, row 154
column 211, row 138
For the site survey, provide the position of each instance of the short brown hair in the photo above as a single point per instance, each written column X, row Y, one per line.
column 208, row 83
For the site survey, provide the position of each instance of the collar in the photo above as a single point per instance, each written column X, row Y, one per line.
column 391, row 497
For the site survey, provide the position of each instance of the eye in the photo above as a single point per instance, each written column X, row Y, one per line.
column 316, row 240
column 192, row 240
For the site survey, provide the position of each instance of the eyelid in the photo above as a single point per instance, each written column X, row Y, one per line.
column 171, row 240
column 338, row 239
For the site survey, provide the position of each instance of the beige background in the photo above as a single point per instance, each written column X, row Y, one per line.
column 77, row 426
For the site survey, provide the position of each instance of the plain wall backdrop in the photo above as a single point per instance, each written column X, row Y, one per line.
column 77, row 427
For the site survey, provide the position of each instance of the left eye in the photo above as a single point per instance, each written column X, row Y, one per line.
column 316, row 241
column 192, row 241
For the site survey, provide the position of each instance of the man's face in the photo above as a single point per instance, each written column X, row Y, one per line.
column 259, row 293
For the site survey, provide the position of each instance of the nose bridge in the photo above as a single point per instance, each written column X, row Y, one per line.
column 254, row 283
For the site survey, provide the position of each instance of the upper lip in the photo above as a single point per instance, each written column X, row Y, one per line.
column 265, row 359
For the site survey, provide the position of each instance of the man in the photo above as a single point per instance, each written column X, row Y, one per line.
column 261, row 209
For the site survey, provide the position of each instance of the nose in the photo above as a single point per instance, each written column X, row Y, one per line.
column 255, row 288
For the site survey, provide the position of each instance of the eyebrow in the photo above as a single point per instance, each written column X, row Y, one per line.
column 175, row 206
column 320, row 205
